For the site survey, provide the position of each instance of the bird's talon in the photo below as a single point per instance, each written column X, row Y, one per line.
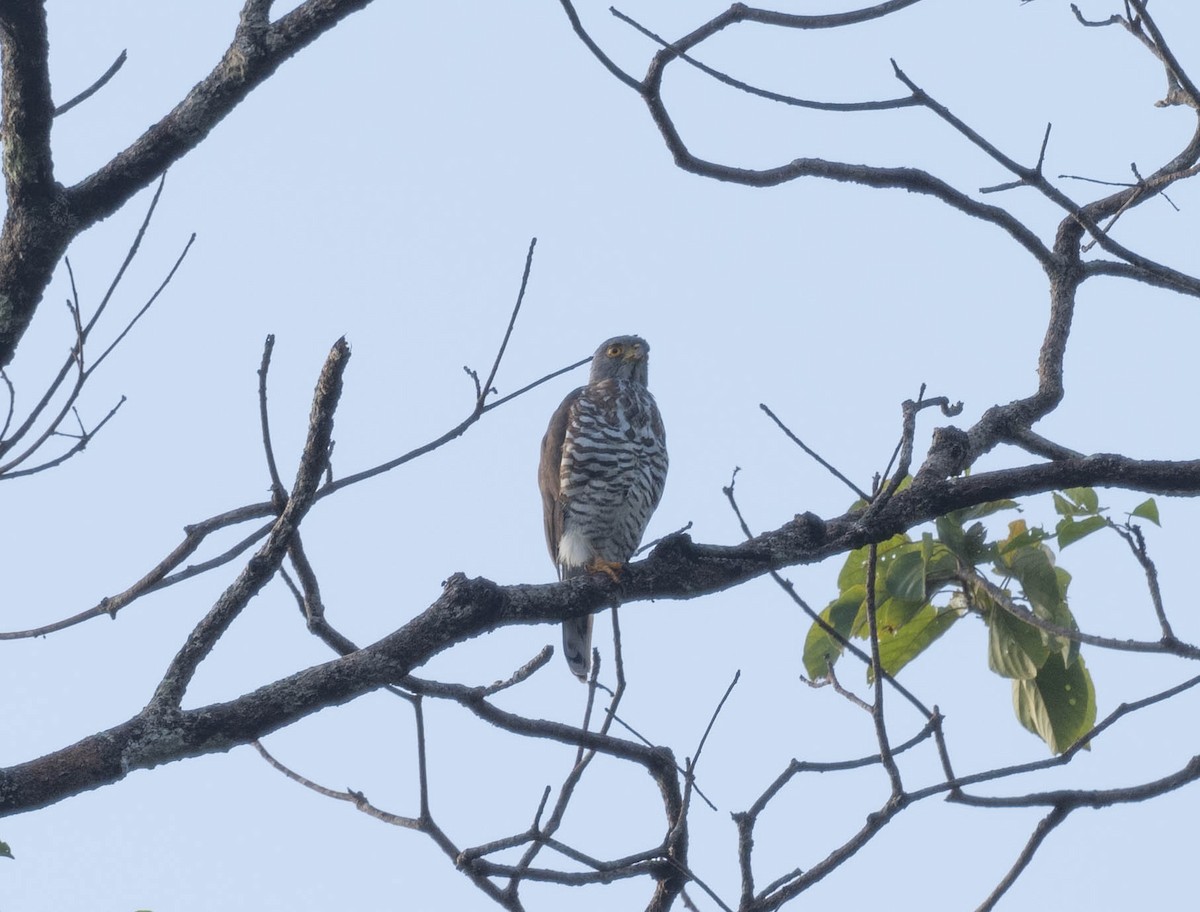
column 611, row 569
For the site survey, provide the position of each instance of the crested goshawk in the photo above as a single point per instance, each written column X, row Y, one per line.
column 602, row 470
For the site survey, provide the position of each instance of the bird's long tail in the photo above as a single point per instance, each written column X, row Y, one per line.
column 577, row 645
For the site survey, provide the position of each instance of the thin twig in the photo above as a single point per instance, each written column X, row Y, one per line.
column 881, row 735
column 12, row 405
column 278, row 492
column 75, row 359
column 831, row 680
column 954, row 784
column 356, row 798
column 1132, row 536
column 816, row 618
column 476, row 413
column 888, row 104
column 614, row 717
column 496, row 403
column 487, row 386
column 1169, row 645
column 145, row 307
column 713, row 719
column 800, row 443
column 1040, row 832
column 94, row 87
column 81, row 443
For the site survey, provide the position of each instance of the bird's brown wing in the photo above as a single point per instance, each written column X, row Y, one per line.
column 550, row 473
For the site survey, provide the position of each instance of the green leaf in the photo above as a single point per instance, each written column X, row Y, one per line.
column 975, row 543
column 906, row 577
column 898, row 649
column 979, row 511
column 1021, row 537
column 941, row 568
column 1071, row 530
column 854, row 570
column 1147, row 509
column 1062, row 616
column 969, row 545
column 892, row 614
column 1059, row 705
column 1031, row 566
column 950, row 534
column 1015, row 649
column 1085, row 499
column 5, row 851
column 819, row 647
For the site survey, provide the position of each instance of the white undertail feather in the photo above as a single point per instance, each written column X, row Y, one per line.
column 574, row 550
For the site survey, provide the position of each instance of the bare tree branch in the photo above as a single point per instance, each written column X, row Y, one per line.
column 264, row 564
column 94, row 87
column 43, row 217
column 1045, row 825
column 258, row 49
column 48, row 217
column 75, row 361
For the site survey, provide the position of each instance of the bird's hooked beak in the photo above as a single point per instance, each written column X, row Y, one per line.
column 635, row 353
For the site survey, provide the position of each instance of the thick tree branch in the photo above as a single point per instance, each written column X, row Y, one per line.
column 28, row 108
column 676, row 569
column 34, row 234
column 42, row 217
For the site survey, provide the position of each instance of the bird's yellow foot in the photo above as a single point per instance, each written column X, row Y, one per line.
column 611, row 569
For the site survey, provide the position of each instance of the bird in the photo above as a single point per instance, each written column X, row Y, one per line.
column 601, row 474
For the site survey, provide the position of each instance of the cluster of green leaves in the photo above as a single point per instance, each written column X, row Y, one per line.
column 1053, row 694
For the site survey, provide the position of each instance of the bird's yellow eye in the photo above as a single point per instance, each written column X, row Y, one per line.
column 616, row 350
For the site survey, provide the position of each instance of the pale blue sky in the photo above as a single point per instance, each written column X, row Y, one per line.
column 384, row 185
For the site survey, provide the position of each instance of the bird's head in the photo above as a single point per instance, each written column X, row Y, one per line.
column 621, row 358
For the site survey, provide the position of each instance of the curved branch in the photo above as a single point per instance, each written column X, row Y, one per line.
column 256, row 52
column 94, row 87
column 1069, row 799
column 1177, row 77
column 724, row 78
column 912, row 179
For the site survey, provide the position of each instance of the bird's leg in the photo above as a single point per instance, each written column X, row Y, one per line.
column 611, row 569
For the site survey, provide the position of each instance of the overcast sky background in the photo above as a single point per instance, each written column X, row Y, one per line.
column 385, row 185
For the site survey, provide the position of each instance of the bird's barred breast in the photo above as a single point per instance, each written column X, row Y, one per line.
column 613, row 469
